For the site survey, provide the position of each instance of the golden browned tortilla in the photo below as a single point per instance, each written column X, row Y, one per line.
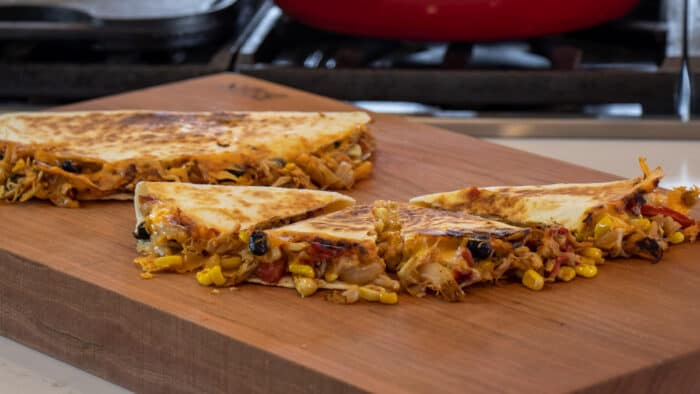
column 195, row 222
column 621, row 218
column 72, row 156
column 567, row 204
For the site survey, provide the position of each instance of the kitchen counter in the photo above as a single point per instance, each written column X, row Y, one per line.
column 25, row 370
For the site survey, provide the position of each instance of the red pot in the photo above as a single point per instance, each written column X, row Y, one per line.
column 454, row 20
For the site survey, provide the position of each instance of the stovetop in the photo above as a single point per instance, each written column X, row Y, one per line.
column 631, row 67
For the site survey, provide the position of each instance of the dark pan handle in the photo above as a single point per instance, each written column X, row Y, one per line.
column 19, row 20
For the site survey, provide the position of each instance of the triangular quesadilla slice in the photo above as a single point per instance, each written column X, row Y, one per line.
column 67, row 157
column 335, row 251
column 183, row 227
column 442, row 252
column 621, row 218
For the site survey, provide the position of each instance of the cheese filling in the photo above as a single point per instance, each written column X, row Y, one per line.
column 445, row 265
column 27, row 173
column 314, row 262
column 643, row 226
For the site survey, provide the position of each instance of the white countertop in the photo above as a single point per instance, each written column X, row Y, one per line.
column 23, row 370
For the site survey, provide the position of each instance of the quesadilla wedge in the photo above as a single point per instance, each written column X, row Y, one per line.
column 336, row 251
column 622, row 218
column 66, row 157
column 183, row 227
column 443, row 252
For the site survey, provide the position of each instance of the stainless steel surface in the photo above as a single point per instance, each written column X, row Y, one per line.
column 656, row 129
column 128, row 9
column 674, row 13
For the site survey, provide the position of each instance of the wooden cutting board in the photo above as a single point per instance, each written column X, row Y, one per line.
column 68, row 288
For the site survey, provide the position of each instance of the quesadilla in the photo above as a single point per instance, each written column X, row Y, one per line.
column 335, row 251
column 443, row 252
column 183, row 227
column 621, row 218
column 71, row 156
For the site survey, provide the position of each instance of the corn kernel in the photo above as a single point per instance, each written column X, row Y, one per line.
column 594, row 253
column 642, row 223
column 676, row 237
column 532, row 280
column 566, row 273
column 305, row 286
column 231, row 263
column 302, row 269
column 331, row 276
column 168, row 261
column 388, row 297
column 587, row 261
column 146, row 275
column 19, row 165
column 217, row 276
column 244, row 236
column 603, row 226
column 355, row 151
column 586, row 270
column 297, row 246
column 203, row 277
column 370, row 293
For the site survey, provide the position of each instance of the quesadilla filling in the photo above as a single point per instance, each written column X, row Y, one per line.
column 27, row 172
column 446, row 264
column 644, row 224
column 313, row 262
column 169, row 241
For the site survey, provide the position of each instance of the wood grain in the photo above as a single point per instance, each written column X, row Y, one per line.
column 68, row 288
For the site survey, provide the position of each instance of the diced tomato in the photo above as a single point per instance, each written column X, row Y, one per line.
column 557, row 265
column 467, row 256
column 562, row 231
column 473, row 192
column 324, row 251
column 462, row 276
column 684, row 221
column 270, row 272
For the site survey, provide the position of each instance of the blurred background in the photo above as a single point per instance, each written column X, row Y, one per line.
column 442, row 58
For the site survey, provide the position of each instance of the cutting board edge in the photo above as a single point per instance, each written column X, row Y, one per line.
column 44, row 330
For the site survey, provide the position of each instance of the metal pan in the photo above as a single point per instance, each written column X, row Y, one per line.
column 118, row 25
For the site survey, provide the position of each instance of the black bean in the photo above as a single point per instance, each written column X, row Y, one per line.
column 141, row 232
column 237, row 170
column 258, row 243
column 71, row 166
column 480, row 248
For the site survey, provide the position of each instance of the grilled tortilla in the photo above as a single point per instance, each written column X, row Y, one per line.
column 183, row 227
column 622, row 218
column 443, row 252
column 335, row 251
column 70, row 156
